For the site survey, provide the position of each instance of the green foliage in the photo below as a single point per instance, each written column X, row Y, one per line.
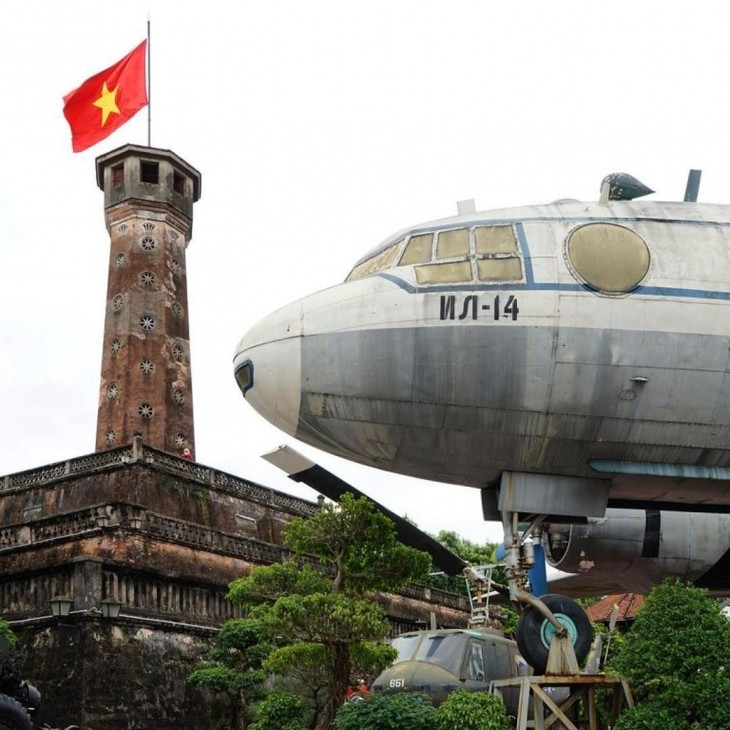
column 266, row 584
column 360, row 545
column 675, row 657
column 678, row 634
column 652, row 716
column 233, row 668
column 402, row 711
column 325, row 631
column 327, row 619
column 464, row 710
column 370, row 659
column 7, row 637
column 281, row 711
column 473, row 553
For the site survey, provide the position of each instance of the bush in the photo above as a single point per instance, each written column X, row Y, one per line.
column 281, row 711
column 402, row 711
column 652, row 716
column 464, row 710
column 676, row 658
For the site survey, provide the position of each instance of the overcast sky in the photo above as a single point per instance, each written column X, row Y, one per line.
column 319, row 129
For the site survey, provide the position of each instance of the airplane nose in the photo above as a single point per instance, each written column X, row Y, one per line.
column 267, row 366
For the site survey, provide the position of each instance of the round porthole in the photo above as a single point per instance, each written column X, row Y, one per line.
column 609, row 258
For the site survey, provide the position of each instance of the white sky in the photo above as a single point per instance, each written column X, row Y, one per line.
column 319, row 128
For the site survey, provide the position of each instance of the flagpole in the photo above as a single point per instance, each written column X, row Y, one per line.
column 149, row 88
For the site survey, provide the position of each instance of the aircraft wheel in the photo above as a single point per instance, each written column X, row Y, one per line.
column 13, row 716
column 534, row 631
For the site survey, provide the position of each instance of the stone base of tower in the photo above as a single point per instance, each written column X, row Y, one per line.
column 162, row 537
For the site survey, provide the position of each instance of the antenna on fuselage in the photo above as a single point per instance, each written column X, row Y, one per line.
column 693, row 186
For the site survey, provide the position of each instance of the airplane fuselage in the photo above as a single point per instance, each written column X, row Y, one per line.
column 570, row 338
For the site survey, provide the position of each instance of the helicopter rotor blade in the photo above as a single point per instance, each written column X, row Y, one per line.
column 300, row 469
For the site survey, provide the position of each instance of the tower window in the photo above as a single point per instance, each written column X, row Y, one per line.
column 118, row 175
column 178, row 183
column 149, row 172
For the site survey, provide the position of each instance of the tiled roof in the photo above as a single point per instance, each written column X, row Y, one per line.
column 628, row 604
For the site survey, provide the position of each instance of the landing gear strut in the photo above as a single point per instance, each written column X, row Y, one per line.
column 553, row 633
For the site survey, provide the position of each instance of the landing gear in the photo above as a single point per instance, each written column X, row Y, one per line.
column 553, row 633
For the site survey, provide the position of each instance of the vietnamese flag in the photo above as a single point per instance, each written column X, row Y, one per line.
column 107, row 100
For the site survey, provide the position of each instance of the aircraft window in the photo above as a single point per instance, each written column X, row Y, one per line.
column 505, row 269
column 608, row 257
column 405, row 646
column 418, row 250
column 495, row 239
column 446, row 273
column 475, row 662
column 383, row 260
column 446, row 650
column 452, row 244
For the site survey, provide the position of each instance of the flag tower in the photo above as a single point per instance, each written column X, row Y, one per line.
column 146, row 383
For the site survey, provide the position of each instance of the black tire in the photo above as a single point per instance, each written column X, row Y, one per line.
column 534, row 631
column 13, row 716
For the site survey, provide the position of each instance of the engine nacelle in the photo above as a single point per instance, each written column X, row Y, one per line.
column 639, row 548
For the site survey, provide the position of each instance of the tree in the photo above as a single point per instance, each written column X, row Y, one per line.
column 676, row 656
column 324, row 615
column 233, row 669
column 473, row 553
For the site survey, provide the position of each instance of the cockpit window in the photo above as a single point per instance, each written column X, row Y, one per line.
column 452, row 244
column 497, row 253
column 405, row 646
column 504, row 269
column 447, row 273
column 446, row 650
column 383, row 260
column 418, row 250
column 475, row 662
column 495, row 239
column 452, row 256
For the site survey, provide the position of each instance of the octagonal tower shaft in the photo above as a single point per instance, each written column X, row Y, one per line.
column 146, row 380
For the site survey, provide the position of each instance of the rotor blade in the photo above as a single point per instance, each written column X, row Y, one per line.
column 300, row 469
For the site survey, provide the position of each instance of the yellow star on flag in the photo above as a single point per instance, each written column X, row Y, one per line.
column 107, row 102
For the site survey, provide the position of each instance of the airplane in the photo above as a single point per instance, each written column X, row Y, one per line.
column 570, row 360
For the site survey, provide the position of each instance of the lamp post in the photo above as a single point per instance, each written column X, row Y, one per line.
column 111, row 608
column 61, row 606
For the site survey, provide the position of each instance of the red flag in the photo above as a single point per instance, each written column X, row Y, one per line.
column 107, row 100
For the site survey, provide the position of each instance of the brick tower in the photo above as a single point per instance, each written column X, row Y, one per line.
column 146, row 384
